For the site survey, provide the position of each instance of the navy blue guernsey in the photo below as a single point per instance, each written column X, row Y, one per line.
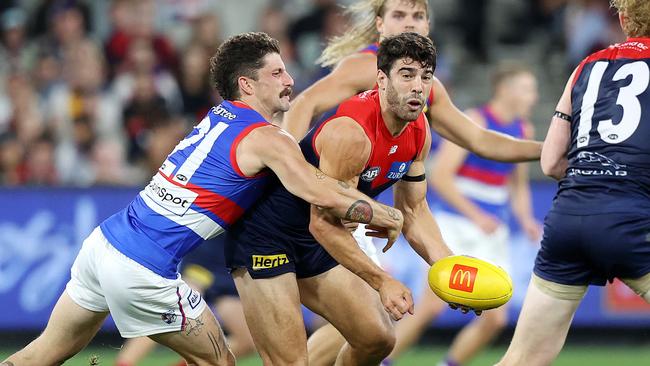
column 609, row 152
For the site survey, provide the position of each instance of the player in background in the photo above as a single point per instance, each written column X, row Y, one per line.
column 354, row 58
column 128, row 265
column 204, row 270
column 285, row 252
column 476, row 195
column 597, row 229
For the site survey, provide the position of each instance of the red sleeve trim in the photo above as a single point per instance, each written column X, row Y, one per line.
column 235, row 143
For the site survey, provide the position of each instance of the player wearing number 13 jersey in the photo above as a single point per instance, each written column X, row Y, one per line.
column 128, row 266
column 599, row 227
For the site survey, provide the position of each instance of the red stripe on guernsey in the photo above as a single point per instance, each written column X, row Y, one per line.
column 633, row 48
column 240, row 104
column 180, row 306
column 235, row 143
column 226, row 209
column 485, row 176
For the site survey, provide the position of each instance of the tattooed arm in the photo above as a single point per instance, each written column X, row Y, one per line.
column 344, row 149
column 273, row 148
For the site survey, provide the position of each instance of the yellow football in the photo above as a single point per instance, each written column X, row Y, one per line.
column 470, row 282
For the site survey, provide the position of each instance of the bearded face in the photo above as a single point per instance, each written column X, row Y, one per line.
column 406, row 106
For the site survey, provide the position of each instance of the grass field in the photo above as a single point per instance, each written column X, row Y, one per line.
column 425, row 356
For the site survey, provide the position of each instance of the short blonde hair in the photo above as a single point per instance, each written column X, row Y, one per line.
column 637, row 14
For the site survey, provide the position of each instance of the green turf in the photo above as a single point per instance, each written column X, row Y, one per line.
column 425, row 356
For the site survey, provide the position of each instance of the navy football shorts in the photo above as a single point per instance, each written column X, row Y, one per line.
column 584, row 250
column 267, row 253
column 206, row 265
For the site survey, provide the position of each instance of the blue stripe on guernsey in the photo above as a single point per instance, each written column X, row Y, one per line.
column 483, row 181
column 198, row 192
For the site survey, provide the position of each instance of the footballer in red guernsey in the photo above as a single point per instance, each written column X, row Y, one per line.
column 374, row 140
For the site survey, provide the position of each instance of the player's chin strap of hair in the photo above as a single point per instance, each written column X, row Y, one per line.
column 563, row 116
column 417, row 178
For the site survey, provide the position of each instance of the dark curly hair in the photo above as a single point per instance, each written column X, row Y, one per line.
column 406, row 45
column 240, row 55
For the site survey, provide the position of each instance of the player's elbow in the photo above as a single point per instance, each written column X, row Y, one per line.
column 552, row 167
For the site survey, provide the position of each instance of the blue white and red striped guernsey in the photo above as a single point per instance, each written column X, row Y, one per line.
column 198, row 192
column 483, row 181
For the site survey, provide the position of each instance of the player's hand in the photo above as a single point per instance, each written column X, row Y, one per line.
column 396, row 298
column 391, row 233
column 465, row 309
column 351, row 226
column 487, row 223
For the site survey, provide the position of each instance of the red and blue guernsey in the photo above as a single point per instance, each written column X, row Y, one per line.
column 198, row 192
column 483, row 181
column 609, row 152
column 390, row 158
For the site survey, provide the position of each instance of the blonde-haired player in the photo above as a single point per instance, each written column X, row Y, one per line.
column 597, row 230
column 354, row 57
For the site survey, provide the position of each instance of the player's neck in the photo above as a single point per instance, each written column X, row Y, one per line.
column 502, row 111
column 257, row 106
column 394, row 125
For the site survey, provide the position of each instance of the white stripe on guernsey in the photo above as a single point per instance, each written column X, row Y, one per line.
column 495, row 195
column 195, row 159
column 201, row 224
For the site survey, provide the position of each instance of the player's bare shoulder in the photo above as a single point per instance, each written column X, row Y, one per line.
column 359, row 70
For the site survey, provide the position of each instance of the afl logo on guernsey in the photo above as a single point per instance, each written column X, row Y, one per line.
column 370, row 174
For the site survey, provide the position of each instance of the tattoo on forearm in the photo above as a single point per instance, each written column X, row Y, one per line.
column 344, row 185
column 194, row 326
column 7, row 363
column 319, row 174
column 360, row 211
column 392, row 213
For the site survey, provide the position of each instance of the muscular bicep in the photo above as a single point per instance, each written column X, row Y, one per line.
column 343, row 148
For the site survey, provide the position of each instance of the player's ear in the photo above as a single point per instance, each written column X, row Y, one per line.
column 245, row 85
column 379, row 24
column 381, row 79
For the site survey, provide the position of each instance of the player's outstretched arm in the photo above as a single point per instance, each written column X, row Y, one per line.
column 554, row 154
column 274, row 148
column 420, row 228
column 458, row 128
column 354, row 74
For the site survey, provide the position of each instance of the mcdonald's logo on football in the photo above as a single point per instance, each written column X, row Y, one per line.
column 462, row 278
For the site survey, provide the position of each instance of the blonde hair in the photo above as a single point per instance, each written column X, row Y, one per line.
column 363, row 15
column 637, row 14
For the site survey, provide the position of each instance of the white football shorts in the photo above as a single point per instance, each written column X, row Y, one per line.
column 464, row 237
column 141, row 302
column 366, row 244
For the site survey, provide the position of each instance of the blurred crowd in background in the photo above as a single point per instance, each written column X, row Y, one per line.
column 99, row 92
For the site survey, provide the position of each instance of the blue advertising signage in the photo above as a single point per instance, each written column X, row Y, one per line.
column 41, row 231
